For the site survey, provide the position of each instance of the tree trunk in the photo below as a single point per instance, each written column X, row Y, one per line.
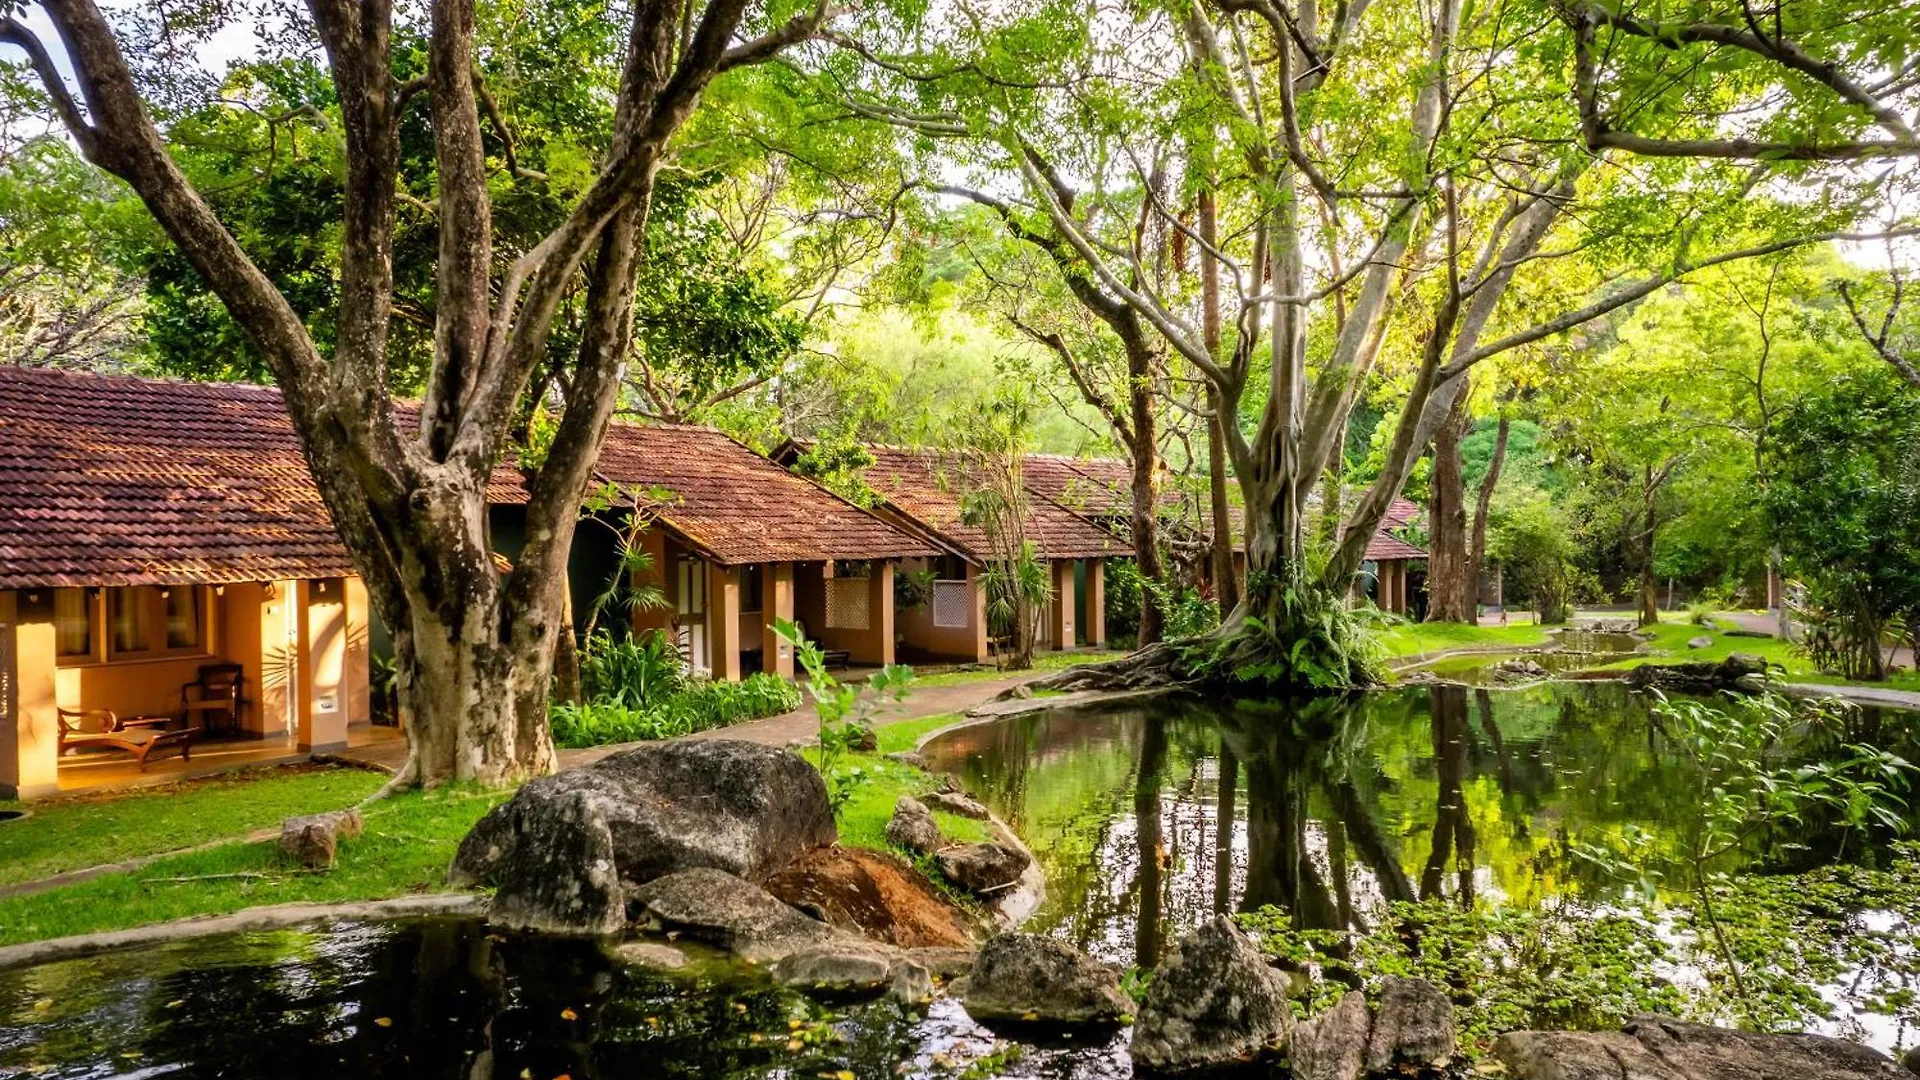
column 1226, row 581
column 1649, row 592
column 566, row 650
column 1448, row 589
column 1145, row 452
column 1477, row 549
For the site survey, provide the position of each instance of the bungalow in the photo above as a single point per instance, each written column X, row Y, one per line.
column 735, row 542
column 170, row 583
column 919, row 492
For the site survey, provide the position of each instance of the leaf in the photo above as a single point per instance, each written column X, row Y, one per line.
column 383, row 1021
column 569, row 1014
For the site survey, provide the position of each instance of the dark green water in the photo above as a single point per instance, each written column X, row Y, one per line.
column 1146, row 819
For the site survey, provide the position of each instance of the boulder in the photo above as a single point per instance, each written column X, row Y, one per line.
column 863, row 739
column 1412, row 1027
column 1333, row 1045
column 715, row 907
column 563, row 852
column 1027, row 978
column 983, row 869
column 877, row 894
column 956, row 803
column 836, row 968
column 1911, row 1059
column 1701, row 642
column 912, row 827
column 943, row 963
column 912, row 759
column 313, row 840
column 911, row 983
column 1661, row 1048
column 1214, row 1001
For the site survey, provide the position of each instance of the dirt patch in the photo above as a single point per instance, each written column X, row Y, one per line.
column 880, row 895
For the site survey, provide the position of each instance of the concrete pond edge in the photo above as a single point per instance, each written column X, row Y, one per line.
column 246, row 920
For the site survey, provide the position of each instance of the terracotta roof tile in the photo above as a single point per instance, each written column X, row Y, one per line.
column 741, row 508
column 922, row 485
column 108, row 480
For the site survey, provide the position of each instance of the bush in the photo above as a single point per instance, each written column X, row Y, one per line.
column 695, row 706
column 630, row 671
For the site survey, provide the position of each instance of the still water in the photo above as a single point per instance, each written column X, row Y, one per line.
column 1146, row 818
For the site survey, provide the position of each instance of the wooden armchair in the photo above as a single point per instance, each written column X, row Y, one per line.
column 137, row 735
column 214, row 694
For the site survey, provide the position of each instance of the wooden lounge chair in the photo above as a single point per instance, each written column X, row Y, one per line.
column 139, row 736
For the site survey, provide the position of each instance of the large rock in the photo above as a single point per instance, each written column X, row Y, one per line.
column 739, row 916
column 1213, row 1002
column 958, row 803
column 1333, row 1045
column 565, row 850
column 313, row 841
column 1742, row 672
column 1660, row 1048
column 838, row 968
column 1027, row 978
column 1412, row 1027
column 912, row 827
column 983, row 869
column 876, row 894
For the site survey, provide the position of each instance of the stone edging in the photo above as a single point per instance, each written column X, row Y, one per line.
column 273, row 917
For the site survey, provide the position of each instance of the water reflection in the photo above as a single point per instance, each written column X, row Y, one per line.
column 1148, row 818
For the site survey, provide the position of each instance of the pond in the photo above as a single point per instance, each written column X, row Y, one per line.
column 1147, row 818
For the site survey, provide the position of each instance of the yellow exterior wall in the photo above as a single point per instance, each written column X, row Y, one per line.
column 967, row 642
column 776, row 601
column 1096, row 628
column 29, row 724
column 321, row 720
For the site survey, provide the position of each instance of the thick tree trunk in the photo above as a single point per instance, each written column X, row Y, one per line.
column 1145, row 452
column 1226, row 580
column 1448, row 590
column 1649, row 593
column 1477, row 549
column 566, row 650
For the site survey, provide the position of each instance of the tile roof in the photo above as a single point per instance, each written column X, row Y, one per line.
column 920, row 484
column 741, row 508
column 111, row 480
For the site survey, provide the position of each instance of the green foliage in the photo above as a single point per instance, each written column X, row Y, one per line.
column 1188, row 614
column 698, row 705
column 835, row 459
column 912, row 590
column 1533, row 545
column 1843, row 500
column 1307, row 639
column 1125, row 586
column 846, row 714
column 632, row 671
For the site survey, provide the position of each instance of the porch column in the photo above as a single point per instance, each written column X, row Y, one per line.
column 776, row 602
column 1060, row 626
column 1389, row 600
column 977, row 613
column 29, row 724
column 723, row 622
column 880, row 609
column 322, row 719
column 359, row 655
column 1096, row 602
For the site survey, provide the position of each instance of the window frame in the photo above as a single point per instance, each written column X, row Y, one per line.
column 153, row 615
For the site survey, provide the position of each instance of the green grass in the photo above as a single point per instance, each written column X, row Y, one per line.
column 1412, row 639
column 1669, row 645
column 75, row 834
column 1042, row 662
column 863, row 818
column 906, row 734
column 408, row 844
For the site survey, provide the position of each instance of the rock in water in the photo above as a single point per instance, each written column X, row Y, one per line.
column 954, row 802
column 1660, row 1048
column 1213, row 1002
column 983, row 869
column 1034, row 979
column 563, row 851
column 1412, row 1026
column 1333, row 1045
column 840, row 968
column 739, row 916
column 912, row 827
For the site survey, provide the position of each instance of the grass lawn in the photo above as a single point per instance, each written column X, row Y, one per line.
column 409, row 841
column 1670, row 639
column 906, row 734
column 73, row 834
column 1411, row 639
column 1042, row 662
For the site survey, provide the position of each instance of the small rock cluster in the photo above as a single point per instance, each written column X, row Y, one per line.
column 1742, row 673
column 983, row 869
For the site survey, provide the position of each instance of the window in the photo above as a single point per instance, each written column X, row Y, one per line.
column 129, row 609
column 950, row 568
column 750, row 597
column 183, row 617
column 73, row 622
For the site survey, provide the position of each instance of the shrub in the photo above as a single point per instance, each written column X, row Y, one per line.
column 694, row 706
column 632, row 671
